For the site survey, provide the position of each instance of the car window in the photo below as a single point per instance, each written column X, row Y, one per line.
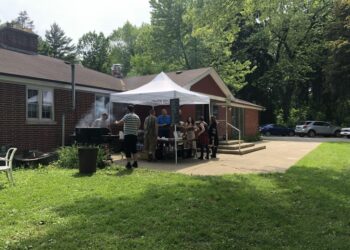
column 303, row 123
column 320, row 124
column 324, row 124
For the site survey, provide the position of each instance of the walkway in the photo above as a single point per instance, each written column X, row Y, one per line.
column 277, row 157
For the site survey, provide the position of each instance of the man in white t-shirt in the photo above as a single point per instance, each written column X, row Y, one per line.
column 131, row 123
column 101, row 122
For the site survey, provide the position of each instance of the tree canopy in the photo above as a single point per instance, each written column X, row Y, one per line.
column 57, row 44
column 94, row 51
column 290, row 56
column 23, row 21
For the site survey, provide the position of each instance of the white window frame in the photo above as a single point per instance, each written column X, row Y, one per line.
column 40, row 102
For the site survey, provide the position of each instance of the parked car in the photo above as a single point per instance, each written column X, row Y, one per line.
column 313, row 128
column 345, row 132
column 275, row 129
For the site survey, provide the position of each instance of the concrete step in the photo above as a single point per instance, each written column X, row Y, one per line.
column 236, row 146
column 242, row 152
column 230, row 142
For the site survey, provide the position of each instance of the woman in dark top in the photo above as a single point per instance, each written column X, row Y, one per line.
column 203, row 138
column 213, row 136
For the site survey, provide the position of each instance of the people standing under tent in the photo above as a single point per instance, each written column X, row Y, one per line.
column 213, row 136
column 164, row 122
column 150, row 132
column 132, row 124
column 203, row 138
column 190, row 135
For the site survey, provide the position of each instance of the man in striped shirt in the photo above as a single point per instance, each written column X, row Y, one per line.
column 131, row 123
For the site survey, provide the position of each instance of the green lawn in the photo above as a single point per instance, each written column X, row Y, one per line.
column 307, row 207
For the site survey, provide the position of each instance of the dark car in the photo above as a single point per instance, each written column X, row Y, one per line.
column 275, row 129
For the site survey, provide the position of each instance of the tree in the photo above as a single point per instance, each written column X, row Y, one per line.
column 94, row 50
column 146, row 58
column 23, row 21
column 337, row 69
column 58, row 45
column 123, row 45
column 43, row 46
column 216, row 26
column 172, row 26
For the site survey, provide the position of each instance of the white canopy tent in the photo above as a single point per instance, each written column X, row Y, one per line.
column 159, row 91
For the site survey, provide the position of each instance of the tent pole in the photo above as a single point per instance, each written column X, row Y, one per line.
column 209, row 109
column 175, row 148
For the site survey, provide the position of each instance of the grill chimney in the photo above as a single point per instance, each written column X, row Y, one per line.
column 117, row 70
column 18, row 40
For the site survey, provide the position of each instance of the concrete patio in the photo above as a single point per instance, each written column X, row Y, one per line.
column 277, row 157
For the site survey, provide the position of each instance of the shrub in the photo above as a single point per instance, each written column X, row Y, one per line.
column 252, row 138
column 68, row 157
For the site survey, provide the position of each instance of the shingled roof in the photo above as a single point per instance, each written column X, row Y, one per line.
column 182, row 78
column 47, row 68
column 185, row 79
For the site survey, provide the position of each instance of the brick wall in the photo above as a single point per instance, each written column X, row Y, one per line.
column 207, row 85
column 251, row 122
column 14, row 129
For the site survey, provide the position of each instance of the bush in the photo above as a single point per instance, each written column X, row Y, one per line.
column 252, row 138
column 68, row 157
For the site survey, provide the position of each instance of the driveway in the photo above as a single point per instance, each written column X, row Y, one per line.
column 277, row 157
column 306, row 139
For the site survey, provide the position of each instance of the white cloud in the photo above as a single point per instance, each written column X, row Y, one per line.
column 77, row 17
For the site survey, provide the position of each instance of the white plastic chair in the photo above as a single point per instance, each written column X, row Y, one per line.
column 8, row 164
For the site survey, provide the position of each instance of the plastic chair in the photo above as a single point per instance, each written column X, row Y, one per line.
column 8, row 164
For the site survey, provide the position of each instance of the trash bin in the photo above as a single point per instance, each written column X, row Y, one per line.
column 87, row 159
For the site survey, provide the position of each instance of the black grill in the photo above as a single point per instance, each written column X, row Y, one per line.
column 94, row 136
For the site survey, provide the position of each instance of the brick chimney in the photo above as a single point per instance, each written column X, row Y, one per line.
column 18, row 40
column 117, row 70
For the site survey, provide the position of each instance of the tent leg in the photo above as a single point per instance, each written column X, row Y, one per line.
column 209, row 110
column 175, row 146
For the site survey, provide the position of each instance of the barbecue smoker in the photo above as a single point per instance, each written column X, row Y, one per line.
column 91, row 136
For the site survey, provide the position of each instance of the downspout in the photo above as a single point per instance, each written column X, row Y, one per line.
column 63, row 129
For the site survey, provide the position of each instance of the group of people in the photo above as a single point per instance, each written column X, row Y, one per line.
column 196, row 135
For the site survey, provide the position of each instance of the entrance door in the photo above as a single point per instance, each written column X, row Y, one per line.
column 238, row 120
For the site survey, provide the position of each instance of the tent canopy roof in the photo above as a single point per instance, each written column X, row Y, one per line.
column 159, row 91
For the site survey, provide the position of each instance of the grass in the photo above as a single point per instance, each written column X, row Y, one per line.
column 308, row 207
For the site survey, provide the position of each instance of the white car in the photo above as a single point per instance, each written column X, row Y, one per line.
column 345, row 132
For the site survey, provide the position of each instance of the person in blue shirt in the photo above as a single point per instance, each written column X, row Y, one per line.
column 164, row 121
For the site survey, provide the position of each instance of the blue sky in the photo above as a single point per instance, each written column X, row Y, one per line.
column 77, row 17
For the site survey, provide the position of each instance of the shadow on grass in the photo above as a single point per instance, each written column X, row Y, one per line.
column 82, row 175
column 124, row 171
column 304, row 208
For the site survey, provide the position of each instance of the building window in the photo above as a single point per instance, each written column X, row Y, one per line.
column 102, row 105
column 215, row 111
column 39, row 104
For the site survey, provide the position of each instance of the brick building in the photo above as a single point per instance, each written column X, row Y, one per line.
column 241, row 114
column 36, row 95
